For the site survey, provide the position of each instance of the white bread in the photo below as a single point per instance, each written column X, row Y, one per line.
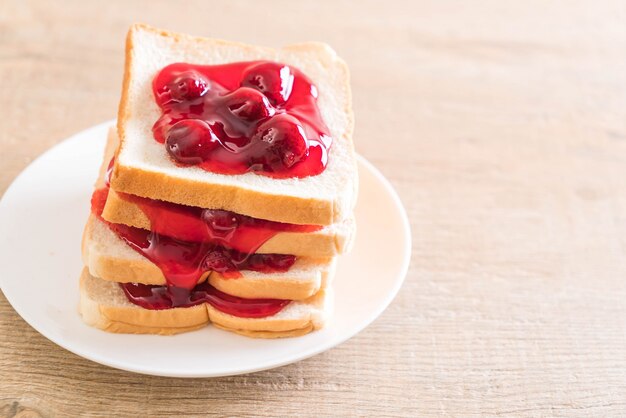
column 143, row 167
column 327, row 242
column 104, row 305
column 109, row 258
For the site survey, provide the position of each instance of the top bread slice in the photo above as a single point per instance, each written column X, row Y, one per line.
column 144, row 168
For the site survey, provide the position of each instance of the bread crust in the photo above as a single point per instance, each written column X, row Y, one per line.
column 136, row 320
column 270, row 334
column 275, row 287
column 255, row 203
column 280, row 208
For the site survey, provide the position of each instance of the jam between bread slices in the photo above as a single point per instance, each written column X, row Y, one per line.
column 183, row 263
column 189, row 223
column 162, row 297
column 255, row 116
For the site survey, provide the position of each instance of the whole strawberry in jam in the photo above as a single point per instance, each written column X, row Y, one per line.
column 191, row 141
column 188, row 85
column 270, row 78
column 249, row 104
column 221, row 222
column 282, row 142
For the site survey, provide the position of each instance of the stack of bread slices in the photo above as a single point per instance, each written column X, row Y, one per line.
column 156, row 224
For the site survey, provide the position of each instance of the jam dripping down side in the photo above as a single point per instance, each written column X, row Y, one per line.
column 228, row 229
column 184, row 263
column 182, row 289
column 258, row 116
column 163, row 297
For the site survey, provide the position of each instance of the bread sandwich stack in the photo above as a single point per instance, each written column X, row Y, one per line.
column 226, row 192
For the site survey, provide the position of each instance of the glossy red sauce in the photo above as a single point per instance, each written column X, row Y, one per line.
column 258, row 116
column 184, row 263
column 229, row 229
column 166, row 297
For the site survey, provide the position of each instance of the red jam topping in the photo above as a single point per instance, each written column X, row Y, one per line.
column 164, row 297
column 259, row 116
column 98, row 200
column 231, row 230
column 183, row 263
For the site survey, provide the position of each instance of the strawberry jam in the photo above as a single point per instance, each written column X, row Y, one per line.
column 258, row 116
column 183, row 263
column 229, row 229
column 164, row 297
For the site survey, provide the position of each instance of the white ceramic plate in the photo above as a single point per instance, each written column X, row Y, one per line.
column 41, row 219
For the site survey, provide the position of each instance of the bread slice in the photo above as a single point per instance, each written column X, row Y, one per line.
column 327, row 242
column 104, row 305
column 143, row 167
column 108, row 257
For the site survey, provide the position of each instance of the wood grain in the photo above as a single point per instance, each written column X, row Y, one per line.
column 503, row 126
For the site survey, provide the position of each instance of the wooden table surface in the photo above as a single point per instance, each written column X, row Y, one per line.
column 502, row 124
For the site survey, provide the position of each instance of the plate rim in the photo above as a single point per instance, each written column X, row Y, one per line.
column 270, row 364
